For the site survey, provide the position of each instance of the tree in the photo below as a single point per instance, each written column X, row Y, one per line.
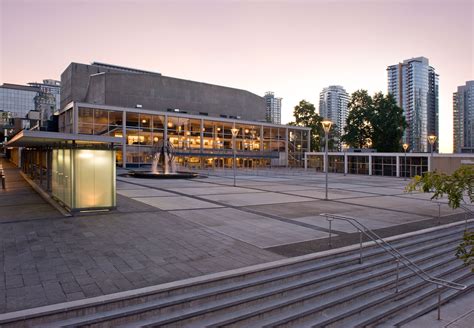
column 458, row 187
column 375, row 119
column 388, row 123
column 358, row 129
column 305, row 115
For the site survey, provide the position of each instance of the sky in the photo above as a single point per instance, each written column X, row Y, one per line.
column 293, row 48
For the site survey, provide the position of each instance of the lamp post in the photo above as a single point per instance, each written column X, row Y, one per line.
column 234, row 134
column 344, row 149
column 431, row 140
column 326, row 126
column 405, row 147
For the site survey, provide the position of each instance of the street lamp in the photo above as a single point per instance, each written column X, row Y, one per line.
column 234, row 134
column 344, row 149
column 326, row 126
column 432, row 140
column 405, row 147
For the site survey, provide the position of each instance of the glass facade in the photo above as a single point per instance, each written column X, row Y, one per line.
column 414, row 84
column 17, row 102
column 379, row 164
column 198, row 142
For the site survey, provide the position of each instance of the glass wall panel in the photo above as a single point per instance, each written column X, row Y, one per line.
column 94, row 178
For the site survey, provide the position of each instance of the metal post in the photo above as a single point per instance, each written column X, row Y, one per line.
column 326, row 163
column 398, row 275
column 360, row 248
column 234, row 160
column 439, row 301
column 330, row 232
column 439, row 213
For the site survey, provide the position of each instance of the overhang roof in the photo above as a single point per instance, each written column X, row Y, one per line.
column 28, row 138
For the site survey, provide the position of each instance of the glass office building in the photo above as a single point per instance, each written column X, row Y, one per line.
column 199, row 141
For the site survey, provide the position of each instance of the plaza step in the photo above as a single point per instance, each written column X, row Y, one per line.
column 331, row 289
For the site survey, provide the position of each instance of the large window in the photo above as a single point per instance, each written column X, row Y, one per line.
column 99, row 122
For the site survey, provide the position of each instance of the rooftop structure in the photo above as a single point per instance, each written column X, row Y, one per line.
column 105, row 84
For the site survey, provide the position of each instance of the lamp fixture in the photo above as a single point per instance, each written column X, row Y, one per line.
column 326, row 125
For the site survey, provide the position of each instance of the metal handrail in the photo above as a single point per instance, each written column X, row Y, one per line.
column 398, row 256
column 467, row 211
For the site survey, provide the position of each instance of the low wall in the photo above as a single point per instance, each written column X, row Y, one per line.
column 448, row 164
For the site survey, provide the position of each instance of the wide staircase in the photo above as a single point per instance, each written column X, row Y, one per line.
column 335, row 288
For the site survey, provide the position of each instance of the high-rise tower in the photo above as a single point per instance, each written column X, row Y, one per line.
column 463, row 118
column 414, row 84
column 273, row 111
column 333, row 102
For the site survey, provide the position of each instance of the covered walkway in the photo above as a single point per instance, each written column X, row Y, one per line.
column 19, row 202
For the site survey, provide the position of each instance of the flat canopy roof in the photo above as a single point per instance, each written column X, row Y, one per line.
column 28, row 138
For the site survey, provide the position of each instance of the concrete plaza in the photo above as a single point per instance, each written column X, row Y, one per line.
column 166, row 230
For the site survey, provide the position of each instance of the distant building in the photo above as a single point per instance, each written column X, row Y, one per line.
column 111, row 85
column 463, row 118
column 29, row 106
column 273, row 108
column 414, row 84
column 333, row 102
column 17, row 99
column 50, row 87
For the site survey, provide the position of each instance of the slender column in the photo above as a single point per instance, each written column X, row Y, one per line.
column 346, row 163
column 124, row 139
column 49, row 159
column 75, row 120
column 202, row 136
column 370, row 164
column 40, row 152
column 398, row 165
column 287, row 139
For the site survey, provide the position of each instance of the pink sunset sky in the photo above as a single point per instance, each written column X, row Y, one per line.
column 294, row 48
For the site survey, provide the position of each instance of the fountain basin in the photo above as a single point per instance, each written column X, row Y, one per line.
column 153, row 175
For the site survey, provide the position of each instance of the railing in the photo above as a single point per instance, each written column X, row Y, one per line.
column 467, row 212
column 399, row 257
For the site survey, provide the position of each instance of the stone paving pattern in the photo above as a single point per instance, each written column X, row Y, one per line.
column 166, row 230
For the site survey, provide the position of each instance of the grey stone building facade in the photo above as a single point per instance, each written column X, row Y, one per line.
column 111, row 85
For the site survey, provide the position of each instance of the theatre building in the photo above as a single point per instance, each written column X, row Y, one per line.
column 144, row 108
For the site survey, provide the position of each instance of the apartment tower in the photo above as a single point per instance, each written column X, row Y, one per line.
column 273, row 108
column 463, row 118
column 333, row 102
column 414, row 83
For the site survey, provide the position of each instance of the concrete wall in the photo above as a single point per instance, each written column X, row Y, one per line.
column 448, row 164
column 82, row 83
